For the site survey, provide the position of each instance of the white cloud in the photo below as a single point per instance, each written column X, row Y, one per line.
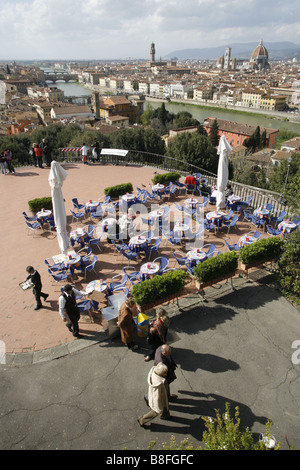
column 122, row 28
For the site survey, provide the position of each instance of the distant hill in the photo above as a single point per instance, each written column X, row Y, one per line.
column 277, row 50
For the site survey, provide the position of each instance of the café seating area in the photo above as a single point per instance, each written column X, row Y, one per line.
column 114, row 244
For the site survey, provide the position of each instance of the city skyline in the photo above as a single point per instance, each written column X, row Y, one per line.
column 123, row 29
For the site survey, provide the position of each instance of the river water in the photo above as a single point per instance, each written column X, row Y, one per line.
column 200, row 113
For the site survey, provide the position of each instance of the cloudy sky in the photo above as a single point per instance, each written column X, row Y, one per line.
column 109, row 29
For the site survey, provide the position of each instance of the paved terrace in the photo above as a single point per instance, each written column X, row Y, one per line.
column 23, row 329
column 236, row 348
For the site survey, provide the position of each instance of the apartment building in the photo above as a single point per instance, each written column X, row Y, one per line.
column 237, row 133
column 203, row 93
column 251, row 98
column 273, row 102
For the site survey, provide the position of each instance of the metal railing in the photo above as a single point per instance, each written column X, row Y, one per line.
column 260, row 197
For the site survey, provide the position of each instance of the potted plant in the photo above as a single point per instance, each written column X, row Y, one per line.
column 166, row 177
column 35, row 205
column 160, row 289
column 216, row 269
column 260, row 252
column 119, row 190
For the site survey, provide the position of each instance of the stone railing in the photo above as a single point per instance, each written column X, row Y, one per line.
column 260, row 197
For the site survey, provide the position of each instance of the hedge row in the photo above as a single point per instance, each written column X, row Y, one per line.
column 118, row 190
column 166, row 177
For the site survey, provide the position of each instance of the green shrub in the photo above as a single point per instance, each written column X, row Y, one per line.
column 37, row 204
column 289, row 266
column 266, row 248
column 213, row 268
column 159, row 287
column 118, row 190
column 223, row 433
column 166, row 177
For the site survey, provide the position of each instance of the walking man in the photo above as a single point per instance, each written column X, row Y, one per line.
column 68, row 308
column 35, row 278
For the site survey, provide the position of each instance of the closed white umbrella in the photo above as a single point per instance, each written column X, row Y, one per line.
column 56, row 178
column 224, row 151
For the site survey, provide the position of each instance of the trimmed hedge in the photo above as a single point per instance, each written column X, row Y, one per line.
column 213, row 268
column 35, row 205
column 118, row 190
column 289, row 267
column 159, row 287
column 266, row 248
column 166, row 177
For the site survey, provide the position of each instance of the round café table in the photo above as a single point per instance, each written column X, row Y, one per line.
column 79, row 235
column 128, row 197
column 215, row 216
column 98, row 285
column 233, row 198
column 138, row 243
column 44, row 214
column 148, row 270
column 286, row 226
column 262, row 213
column 180, row 228
column 195, row 256
column 246, row 240
column 72, row 260
column 192, row 202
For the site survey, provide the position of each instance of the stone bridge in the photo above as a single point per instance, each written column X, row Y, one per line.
column 66, row 77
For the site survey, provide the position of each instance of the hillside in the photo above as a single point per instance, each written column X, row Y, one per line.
column 277, row 50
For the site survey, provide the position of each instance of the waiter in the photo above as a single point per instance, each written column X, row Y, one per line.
column 35, row 278
column 68, row 308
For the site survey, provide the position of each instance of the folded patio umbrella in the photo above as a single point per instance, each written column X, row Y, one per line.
column 224, row 151
column 56, row 178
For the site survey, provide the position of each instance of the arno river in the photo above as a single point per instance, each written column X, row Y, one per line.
column 198, row 112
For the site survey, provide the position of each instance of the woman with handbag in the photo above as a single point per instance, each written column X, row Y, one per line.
column 158, row 330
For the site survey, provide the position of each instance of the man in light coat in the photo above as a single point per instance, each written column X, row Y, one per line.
column 157, row 395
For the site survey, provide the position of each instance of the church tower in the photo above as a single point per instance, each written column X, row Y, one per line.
column 152, row 52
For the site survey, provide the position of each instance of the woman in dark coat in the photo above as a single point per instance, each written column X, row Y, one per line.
column 158, row 332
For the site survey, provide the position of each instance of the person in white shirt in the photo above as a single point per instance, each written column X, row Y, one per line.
column 68, row 308
column 84, row 153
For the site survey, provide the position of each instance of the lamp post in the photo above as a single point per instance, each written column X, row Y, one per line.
column 287, row 176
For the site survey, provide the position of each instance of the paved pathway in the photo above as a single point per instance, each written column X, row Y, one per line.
column 235, row 348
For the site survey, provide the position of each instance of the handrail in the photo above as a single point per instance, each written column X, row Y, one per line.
column 260, row 197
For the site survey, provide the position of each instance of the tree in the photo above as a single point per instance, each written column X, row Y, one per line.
column 195, row 149
column 289, row 267
column 214, row 133
column 277, row 181
column 162, row 114
column 185, row 119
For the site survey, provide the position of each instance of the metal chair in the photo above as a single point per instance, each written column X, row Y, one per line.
column 77, row 215
column 163, row 264
column 33, row 226
column 30, row 219
column 231, row 246
column 85, row 306
column 231, row 223
column 272, row 231
column 77, row 205
column 90, row 267
column 180, row 258
column 117, row 285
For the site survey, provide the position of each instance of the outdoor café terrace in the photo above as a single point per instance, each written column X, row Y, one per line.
column 173, row 229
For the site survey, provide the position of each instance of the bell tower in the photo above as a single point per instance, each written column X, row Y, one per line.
column 152, row 52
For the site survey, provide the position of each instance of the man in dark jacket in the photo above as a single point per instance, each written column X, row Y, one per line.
column 68, row 308
column 163, row 354
column 35, row 278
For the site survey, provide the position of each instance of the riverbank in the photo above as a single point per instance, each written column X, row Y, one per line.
column 288, row 117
